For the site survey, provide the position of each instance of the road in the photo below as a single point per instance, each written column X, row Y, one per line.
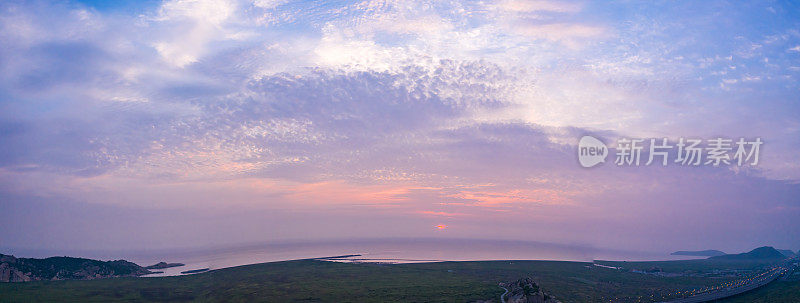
column 716, row 295
column 502, row 300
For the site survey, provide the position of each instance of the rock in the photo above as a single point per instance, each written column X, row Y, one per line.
column 525, row 290
column 10, row 274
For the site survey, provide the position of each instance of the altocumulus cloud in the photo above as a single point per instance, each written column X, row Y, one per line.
column 394, row 111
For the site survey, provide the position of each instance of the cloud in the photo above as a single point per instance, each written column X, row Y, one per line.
column 462, row 111
column 192, row 24
column 559, row 32
column 217, row 52
column 528, row 6
column 268, row 3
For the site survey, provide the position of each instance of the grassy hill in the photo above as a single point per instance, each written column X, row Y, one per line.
column 320, row 281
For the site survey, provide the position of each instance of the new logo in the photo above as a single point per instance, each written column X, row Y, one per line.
column 591, row 151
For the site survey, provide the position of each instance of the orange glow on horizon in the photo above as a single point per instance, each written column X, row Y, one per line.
column 441, row 226
column 442, row 214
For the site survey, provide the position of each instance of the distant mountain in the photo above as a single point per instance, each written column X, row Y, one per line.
column 14, row 269
column 701, row 253
column 787, row 253
column 761, row 253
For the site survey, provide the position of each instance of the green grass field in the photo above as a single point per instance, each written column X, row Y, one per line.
column 320, row 281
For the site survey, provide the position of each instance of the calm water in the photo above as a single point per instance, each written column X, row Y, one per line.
column 393, row 251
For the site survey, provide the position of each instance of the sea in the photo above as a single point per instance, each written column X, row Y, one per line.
column 370, row 250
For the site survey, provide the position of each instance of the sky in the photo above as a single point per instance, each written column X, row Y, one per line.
column 193, row 123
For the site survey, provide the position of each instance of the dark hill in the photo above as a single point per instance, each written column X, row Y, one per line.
column 761, row 253
column 14, row 269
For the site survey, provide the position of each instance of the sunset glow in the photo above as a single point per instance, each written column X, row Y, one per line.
column 229, row 121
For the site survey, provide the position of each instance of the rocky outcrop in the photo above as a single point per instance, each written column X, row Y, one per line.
column 526, row 291
column 14, row 269
column 10, row 274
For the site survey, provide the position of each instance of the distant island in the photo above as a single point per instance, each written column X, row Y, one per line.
column 14, row 269
column 765, row 252
column 162, row 265
column 761, row 253
column 698, row 253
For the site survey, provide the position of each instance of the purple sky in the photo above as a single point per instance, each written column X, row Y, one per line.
column 198, row 123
